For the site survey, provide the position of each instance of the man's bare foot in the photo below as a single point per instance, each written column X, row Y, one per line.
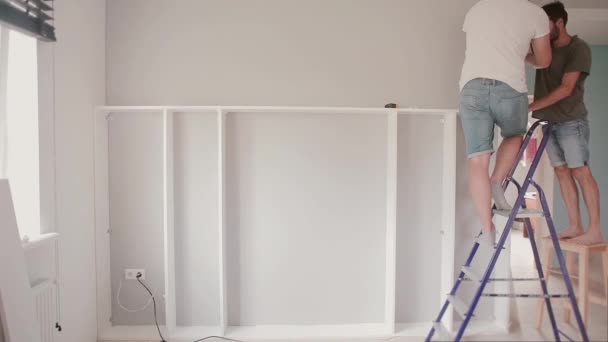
column 570, row 232
column 592, row 237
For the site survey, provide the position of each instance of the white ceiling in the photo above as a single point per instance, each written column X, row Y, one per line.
column 590, row 24
column 570, row 4
column 587, row 18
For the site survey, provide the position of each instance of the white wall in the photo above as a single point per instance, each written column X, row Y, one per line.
column 79, row 62
column 1, row 325
column 306, row 206
column 196, row 219
column 419, row 218
column 277, row 52
column 136, row 210
column 313, row 53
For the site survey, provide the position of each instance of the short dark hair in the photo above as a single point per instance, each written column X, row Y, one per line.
column 556, row 11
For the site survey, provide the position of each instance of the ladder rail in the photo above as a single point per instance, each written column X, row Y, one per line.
column 519, row 204
column 566, row 336
column 543, row 281
column 509, row 225
column 531, row 237
column 509, row 179
column 541, row 275
column 486, row 277
column 522, row 149
column 518, row 187
column 446, row 304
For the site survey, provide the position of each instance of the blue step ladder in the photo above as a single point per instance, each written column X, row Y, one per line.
column 519, row 212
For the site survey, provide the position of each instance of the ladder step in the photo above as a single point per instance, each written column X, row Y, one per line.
column 516, row 279
column 530, row 295
column 504, row 279
column 465, row 306
column 522, row 213
column 566, row 336
column 442, row 332
column 468, row 270
column 459, row 305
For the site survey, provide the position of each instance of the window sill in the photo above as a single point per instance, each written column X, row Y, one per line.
column 39, row 241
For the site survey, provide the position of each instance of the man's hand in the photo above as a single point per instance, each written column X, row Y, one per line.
column 564, row 90
column 532, row 107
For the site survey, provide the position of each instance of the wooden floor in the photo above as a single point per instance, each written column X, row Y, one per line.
column 525, row 310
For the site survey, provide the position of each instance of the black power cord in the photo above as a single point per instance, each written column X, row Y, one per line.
column 138, row 276
column 217, row 337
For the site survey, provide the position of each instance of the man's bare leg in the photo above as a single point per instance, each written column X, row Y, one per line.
column 591, row 194
column 569, row 192
column 479, row 187
column 505, row 158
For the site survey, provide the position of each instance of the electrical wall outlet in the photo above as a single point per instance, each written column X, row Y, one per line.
column 131, row 273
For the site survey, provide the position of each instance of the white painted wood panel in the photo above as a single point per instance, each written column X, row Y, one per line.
column 197, row 261
column 296, row 227
column 306, row 211
column 419, row 218
column 136, row 212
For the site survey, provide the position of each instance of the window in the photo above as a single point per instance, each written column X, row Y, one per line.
column 19, row 139
column 34, row 17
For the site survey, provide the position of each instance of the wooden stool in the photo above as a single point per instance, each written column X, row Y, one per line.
column 570, row 250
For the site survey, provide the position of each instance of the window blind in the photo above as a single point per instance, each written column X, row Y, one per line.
column 32, row 17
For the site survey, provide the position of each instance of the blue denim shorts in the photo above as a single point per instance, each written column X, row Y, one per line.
column 569, row 144
column 485, row 103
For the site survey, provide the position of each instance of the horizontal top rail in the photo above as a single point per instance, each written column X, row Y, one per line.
column 275, row 109
column 39, row 241
column 41, row 285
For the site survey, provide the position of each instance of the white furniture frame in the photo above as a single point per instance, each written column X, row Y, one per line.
column 104, row 299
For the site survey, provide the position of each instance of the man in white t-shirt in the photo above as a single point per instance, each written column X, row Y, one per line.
column 499, row 35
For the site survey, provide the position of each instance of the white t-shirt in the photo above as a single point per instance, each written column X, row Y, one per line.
column 499, row 33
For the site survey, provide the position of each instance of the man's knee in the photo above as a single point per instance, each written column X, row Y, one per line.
column 516, row 138
column 562, row 171
column 481, row 161
column 582, row 173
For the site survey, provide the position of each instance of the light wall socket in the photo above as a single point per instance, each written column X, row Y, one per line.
column 131, row 273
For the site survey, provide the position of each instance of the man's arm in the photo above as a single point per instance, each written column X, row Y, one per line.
column 541, row 54
column 564, row 90
column 530, row 59
column 530, row 55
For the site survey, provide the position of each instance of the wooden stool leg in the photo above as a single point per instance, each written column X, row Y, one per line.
column 570, row 264
column 583, row 284
column 605, row 264
column 546, row 259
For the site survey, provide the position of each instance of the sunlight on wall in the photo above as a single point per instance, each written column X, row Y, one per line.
column 22, row 143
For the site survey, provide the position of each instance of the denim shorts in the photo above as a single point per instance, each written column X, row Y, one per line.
column 485, row 103
column 569, row 143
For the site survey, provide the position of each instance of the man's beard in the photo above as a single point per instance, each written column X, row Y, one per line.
column 554, row 34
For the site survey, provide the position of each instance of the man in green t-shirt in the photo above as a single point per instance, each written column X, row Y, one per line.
column 558, row 97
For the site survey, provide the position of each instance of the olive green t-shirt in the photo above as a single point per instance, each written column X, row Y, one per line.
column 573, row 57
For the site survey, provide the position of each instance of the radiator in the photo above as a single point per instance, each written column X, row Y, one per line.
column 45, row 306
